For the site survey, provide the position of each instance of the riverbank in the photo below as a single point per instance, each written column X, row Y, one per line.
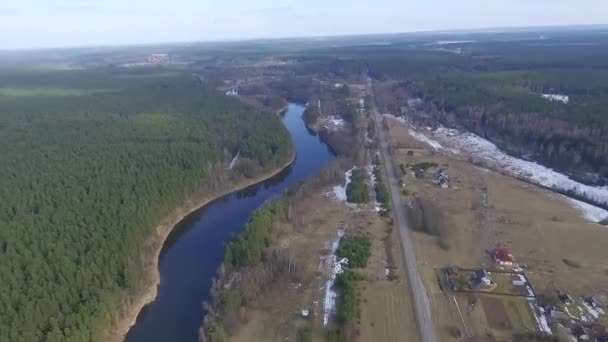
column 155, row 245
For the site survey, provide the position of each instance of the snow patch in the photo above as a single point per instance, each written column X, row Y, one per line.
column 541, row 320
column 589, row 212
column 417, row 135
column 423, row 138
column 478, row 147
column 556, row 98
column 334, row 267
column 448, row 42
column 339, row 191
column 234, row 160
column 334, row 123
column 592, row 311
column 453, row 141
column 372, row 177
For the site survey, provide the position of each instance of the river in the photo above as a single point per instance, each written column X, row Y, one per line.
column 195, row 248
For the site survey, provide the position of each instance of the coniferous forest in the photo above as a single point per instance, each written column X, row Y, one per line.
column 90, row 163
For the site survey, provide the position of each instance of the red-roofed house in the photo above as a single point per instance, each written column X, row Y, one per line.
column 502, row 256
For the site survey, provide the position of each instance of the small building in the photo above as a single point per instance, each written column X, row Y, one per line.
column 442, row 179
column 480, row 280
column 502, row 256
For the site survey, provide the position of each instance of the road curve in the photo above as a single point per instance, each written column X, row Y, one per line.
column 418, row 291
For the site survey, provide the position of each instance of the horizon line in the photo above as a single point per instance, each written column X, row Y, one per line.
column 488, row 29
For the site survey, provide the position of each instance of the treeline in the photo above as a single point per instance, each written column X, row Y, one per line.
column 380, row 189
column 92, row 161
column 505, row 109
column 357, row 190
column 493, row 89
column 259, row 263
column 424, row 216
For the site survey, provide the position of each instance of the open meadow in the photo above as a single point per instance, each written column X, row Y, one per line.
column 480, row 210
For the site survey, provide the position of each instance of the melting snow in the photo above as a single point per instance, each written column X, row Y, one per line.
column 234, row 160
column 334, row 123
column 423, row 138
column 334, row 267
column 418, row 136
column 541, row 320
column 339, row 191
column 372, row 177
column 448, row 42
column 556, row 98
column 478, row 147
column 590, row 212
column 591, row 311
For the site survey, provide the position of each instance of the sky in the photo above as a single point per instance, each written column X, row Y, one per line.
column 67, row 23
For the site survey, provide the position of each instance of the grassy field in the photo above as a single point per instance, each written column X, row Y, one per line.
column 483, row 209
column 497, row 316
column 384, row 311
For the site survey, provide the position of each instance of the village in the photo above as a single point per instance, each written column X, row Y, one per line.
column 466, row 230
column 501, row 295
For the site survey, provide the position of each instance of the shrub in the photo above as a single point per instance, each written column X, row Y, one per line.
column 355, row 249
column 357, row 190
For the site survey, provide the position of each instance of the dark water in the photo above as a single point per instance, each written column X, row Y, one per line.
column 195, row 248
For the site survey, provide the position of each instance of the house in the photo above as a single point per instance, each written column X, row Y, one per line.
column 480, row 280
column 502, row 256
column 442, row 179
column 518, row 280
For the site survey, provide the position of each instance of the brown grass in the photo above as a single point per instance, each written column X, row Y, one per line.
column 384, row 312
column 483, row 209
column 496, row 313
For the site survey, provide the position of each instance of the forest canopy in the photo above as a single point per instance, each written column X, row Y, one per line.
column 91, row 162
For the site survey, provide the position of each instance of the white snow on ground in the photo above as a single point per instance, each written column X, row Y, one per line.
column 367, row 138
column 423, row 138
column 234, row 160
column 334, row 267
column 334, row 123
column 590, row 212
column 451, row 140
column 557, row 98
column 418, row 136
column 448, row 42
column 591, row 310
column 339, row 191
column 541, row 320
column 372, row 177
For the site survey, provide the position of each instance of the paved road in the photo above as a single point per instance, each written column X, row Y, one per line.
column 421, row 300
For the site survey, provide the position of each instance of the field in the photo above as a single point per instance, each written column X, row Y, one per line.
column 384, row 311
column 482, row 209
column 498, row 316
